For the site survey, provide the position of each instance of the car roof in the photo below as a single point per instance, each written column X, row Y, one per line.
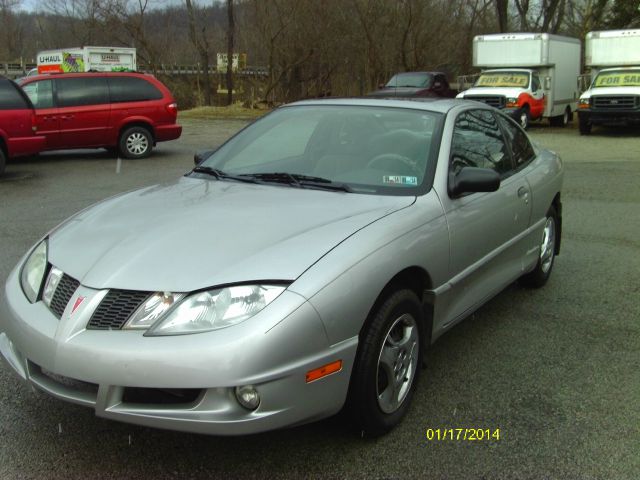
column 85, row 74
column 439, row 105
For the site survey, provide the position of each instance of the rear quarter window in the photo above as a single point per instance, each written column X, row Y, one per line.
column 11, row 98
column 132, row 89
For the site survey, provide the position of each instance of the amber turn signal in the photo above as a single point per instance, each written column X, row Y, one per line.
column 328, row 369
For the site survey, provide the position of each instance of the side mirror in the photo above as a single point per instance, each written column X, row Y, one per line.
column 473, row 179
column 201, row 156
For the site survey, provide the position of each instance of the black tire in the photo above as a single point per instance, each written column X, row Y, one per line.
column 561, row 120
column 372, row 402
column 135, row 142
column 3, row 161
column 584, row 126
column 546, row 258
column 524, row 117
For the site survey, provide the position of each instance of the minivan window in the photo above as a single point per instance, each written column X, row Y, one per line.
column 132, row 89
column 10, row 97
column 40, row 93
column 74, row 92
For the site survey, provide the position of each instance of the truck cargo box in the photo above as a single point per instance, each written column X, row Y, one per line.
column 612, row 48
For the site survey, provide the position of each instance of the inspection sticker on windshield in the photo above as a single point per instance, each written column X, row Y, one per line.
column 399, row 180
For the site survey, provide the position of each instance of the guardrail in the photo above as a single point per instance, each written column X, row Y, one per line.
column 18, row 70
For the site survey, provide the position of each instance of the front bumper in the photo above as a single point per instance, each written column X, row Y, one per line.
column 100, row 369
column 610, row 117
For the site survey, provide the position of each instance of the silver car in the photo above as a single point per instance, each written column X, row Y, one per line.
column 303, row 267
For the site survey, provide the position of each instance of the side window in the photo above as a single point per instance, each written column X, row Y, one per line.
column 478, row 142
column 79, row 91
column 535, row 84
column 10, row 97
column 40, row 93
column 521, row 147
column 132, row 89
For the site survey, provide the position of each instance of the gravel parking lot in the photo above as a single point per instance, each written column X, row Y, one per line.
column 556, row 370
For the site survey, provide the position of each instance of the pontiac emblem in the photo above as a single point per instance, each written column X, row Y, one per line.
column 77, row 303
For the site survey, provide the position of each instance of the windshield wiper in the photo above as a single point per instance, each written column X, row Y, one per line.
column 220, row 175
column 299, row 180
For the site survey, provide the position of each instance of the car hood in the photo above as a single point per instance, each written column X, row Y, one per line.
column 493, row 91
column 196, row 233
column 610, row 91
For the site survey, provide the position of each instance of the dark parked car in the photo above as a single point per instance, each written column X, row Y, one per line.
column 129, row 112
column 416, row 84
column 17, row 124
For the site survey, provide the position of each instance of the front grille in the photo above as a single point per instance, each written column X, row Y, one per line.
column 116, row 308
column 497, row 101
column 65, row 289
column 614, row 102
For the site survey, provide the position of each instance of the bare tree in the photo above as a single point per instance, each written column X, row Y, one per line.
column 230, row 45
column 502, row 11
column 201, row 44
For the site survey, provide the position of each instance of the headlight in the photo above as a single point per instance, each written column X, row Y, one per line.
column 512, row 102
column 584, row 102
column 215, row 309
column 33, row 270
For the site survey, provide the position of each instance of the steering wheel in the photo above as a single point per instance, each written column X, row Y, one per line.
column 395, row 163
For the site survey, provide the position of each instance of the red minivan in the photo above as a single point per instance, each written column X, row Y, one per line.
column 125, row 112
column 17, row 124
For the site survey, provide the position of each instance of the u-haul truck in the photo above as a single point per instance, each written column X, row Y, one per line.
column 528, row 75
column 87, row 59
column 613, row 58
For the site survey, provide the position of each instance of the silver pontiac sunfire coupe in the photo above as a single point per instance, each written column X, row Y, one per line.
column 302, row 267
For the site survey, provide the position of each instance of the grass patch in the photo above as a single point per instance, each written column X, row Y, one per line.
column 232, row 111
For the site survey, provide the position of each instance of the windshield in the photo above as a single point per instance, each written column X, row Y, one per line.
column 356, row 148
column 417, row 80
column 618, row 78
column 503, row 79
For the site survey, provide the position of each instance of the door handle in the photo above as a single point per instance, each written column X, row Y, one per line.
column 523, row 192
column 52, row 117
column 66, row 117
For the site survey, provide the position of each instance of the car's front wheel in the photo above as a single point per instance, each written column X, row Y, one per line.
column 3, row 161
column 547, row 253
column 386, row 368
column 136, row 142
column 524, row 117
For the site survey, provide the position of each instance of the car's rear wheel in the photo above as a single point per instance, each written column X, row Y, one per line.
column 3, row 161
column 561, row 120
column 547, row 252
column 386, row 368
column 136, row 142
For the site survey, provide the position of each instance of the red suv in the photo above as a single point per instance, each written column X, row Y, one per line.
column 17, row 124
column 129, row 112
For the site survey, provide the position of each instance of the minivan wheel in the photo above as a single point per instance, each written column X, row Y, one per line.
column 135, row 142
column 386, row 368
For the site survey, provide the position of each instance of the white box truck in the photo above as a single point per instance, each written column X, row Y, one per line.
column 87, row 59
column 528, row 75
column 613, row 58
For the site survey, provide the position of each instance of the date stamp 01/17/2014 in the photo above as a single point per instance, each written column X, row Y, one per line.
column 463, row 434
